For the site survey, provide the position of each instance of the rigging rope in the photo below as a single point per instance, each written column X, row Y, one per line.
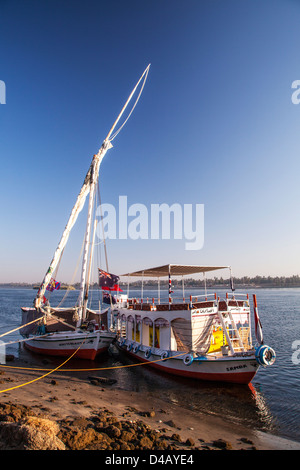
column 22, row 326
column 136, row 102
column 73, row 277
column 29, row 323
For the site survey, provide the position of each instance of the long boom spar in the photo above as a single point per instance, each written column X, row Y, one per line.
column 88, row 185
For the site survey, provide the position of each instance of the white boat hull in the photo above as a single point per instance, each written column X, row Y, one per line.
column 64, row 344
column 234, row 369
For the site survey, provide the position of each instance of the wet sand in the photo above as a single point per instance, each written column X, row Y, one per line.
column 69, row 395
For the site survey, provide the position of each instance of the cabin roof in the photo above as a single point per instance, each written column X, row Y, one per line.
column 174, row 269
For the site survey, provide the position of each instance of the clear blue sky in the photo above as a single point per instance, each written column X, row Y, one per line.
column 215, row 125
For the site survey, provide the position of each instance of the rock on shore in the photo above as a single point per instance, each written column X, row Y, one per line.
column 22, row 428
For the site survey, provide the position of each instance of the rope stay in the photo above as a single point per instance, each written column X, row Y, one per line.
column 22, row 326
column 145, row 75
column 33, row 321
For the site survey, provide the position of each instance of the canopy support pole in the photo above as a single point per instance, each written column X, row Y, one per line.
column 158, row 290
column 170, row 288
column 231, row 282
column 205, row 290
column 142, row 293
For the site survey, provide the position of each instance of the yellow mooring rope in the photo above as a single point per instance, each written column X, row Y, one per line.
column 78, row 370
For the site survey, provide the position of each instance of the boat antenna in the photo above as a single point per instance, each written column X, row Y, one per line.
column 231, row 281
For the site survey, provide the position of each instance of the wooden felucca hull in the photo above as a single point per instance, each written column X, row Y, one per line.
column 65, row 344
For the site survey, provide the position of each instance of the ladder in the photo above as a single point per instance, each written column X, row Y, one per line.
column 236, row 336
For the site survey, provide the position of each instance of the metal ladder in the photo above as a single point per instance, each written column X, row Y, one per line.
column 235, row 331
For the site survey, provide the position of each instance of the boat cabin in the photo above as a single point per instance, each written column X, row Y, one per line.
column 202, row 324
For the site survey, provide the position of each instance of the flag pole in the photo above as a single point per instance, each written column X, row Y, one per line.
column 170, row 288
column 258, row 326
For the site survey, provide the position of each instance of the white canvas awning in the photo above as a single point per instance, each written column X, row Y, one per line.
column 175, row 270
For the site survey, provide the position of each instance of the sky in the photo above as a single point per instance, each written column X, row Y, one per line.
column 215, row 125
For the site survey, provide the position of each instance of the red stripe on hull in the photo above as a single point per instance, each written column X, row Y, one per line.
column 81, row 354
column 238, row 377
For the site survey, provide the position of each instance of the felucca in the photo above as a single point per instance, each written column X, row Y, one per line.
column 63, row 331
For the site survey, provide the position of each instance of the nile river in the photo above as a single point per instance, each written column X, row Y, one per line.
column 271, row 403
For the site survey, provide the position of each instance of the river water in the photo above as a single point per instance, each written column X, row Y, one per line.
column 271, row 403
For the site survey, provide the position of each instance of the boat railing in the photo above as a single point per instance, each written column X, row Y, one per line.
column 229, row 301
column 142, row 304
column 203, row 297
column 172, row 303
column 239, row 295
column 237, row 300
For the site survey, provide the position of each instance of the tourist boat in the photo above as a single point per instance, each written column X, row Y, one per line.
column 204, row 337
column 79, row 329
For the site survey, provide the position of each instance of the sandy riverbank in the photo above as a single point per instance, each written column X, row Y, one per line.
column 65, row 398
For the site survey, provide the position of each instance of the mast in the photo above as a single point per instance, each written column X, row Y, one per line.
column 88, row 186
column 87, row 244
column 86, row 292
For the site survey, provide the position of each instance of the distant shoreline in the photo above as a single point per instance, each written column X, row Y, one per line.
column 257, row 282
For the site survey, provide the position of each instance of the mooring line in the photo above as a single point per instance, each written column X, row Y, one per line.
column 45, row 375
column 92, row 369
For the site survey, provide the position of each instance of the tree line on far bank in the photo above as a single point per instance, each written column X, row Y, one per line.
column 245, row 281
column 257, row 281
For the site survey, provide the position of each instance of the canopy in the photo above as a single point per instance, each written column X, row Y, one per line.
column 175, row 270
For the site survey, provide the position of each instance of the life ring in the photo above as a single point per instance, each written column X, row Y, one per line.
column 136, row 348
column 188, row 359
column 265, row 355
column 148, row 353
column 123, row 343
column 164, row 356
column 129, row 346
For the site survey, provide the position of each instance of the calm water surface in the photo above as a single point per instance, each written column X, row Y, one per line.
column 271, row 403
